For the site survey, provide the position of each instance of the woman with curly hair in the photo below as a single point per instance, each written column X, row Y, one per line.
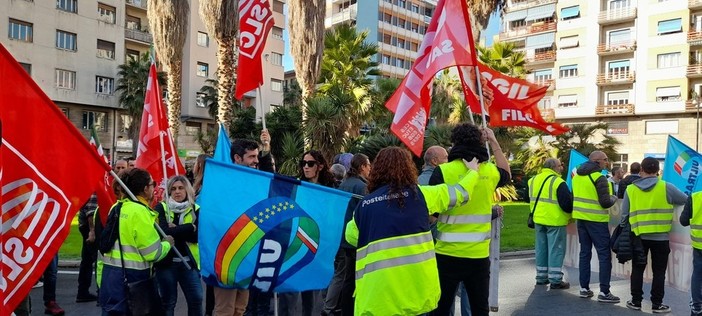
column 390, row 227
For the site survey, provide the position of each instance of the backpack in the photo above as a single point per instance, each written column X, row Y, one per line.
column 109, row 233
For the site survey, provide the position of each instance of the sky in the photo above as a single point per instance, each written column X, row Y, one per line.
column 492, row 29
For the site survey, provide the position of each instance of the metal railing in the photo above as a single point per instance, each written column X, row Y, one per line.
column 537, row 27
column 616, row 77
column 617, row 47
column 619, row 109
column 544, row 56
column 138, row 3
column 617, row 14
column 138, row 35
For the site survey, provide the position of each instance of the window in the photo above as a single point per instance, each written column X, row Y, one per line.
column 203, row 69
column 387, row 39
column 107, row 13
column 618, row 69
column 278, row 6
column 192, row 128
column 386, row 59
column 66, row 40
column 276, row 85
column 67, row 5
column 570, row 13
column 202, row 39
column 400, row 43
column 662, row 127
column 276, row 59
column 670, row 26
column 27, row 68
column 414, row 46
column 619, row 37
column 622, row 161
column 427, row 11
column 104, row 85
column 98, row 120
column 668, row 94
column 545, row 103
column 200, row 99
column 414, row 8
column 105, row 49
column 568, row 42
column 568, row 100
column 65, row 79
column 668, row 60
column 277, row 33
column 133, row 23
column 132, row 54
column 415, row 28
column 400, row 63
column 21, row 31
column 618, row 128
column 64, row 111
column 543, row 75
column 618, row 98
column 125, row 123
column 402, row 3
column 568, row 71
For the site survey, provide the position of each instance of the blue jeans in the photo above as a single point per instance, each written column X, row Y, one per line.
column 50, row 280
column 597, row 234
column 550, row 252
column 696, row 282
column 168, row 279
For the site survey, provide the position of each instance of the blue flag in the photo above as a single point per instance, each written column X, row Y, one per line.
column 576, row 159
column 266, row 231
column 682, row 166
column 223, row 147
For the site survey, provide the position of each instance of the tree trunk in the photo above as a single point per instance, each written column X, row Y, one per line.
column 174, row 98
column 226, row 75
column 133, row 132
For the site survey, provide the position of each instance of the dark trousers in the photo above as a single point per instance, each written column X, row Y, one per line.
column 475, row 275
column 659, row 263
column 209, row 300
column 50, row 280
column 259, row 303
column 597, row 234
column 88, row 256
column 339, row 299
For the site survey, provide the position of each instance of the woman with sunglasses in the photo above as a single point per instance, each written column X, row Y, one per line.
column 137, row 244
column 390, row 227
column 314, row 168
column 178, row 217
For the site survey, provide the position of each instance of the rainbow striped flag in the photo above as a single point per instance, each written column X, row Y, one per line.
column 682, row 166
column 267, row 231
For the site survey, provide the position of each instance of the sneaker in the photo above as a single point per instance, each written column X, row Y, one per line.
column 38, row 285
column 660, row 309
column 542, row 282
column 563, row 285
column 86, row 298
column 633, row 305
column 51, row 308
column 607, row 298
column 585, row 293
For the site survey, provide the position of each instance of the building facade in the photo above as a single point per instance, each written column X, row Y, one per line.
column 72, row 50
column 634, row 64
column 397, row 26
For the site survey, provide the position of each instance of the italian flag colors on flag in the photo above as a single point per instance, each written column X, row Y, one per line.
column 681, row 161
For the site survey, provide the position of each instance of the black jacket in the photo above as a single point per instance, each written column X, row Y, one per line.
column 601, row 184
column 627, row 246
column 355, row 185
column 625, row 183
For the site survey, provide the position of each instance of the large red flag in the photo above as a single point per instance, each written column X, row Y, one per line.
column 155, row 141
column 105, row 195
column 255, row 21
column 48, row 173
column 447, row 43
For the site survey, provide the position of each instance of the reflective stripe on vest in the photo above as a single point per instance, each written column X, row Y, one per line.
column 649, row 211
column 462, row 237
column 452, row 189
column 696, row 220
column 586, row 205
column 548, row 212
column 390, row 253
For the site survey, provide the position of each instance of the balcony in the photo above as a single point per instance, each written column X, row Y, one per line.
column 617, row 48
column 617, row 15
column 614, row 110
column 142, row 4
column 348, row 14
column 545, row 57
column 694, row 38
column 138, row 36
column 523, row 4
column 548, row 114
column 544, row 83
column 613, row 78
column 694, row 71
column 694, row 4
column 690, row 106
column 537, row 27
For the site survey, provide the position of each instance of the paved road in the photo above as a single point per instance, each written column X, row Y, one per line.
column 518, row 295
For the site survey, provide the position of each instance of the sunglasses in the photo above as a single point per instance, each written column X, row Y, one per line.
column 309, row 163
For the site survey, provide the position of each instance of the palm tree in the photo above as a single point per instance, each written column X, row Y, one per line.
column 292, row 94
column 306, row 24
column 210, row 96
column 381, row 92
column 347, row 65
column 131, row 86
column 221, row 18
column 504, row 57
column 168, row 21
column 324, row 126
column 480, row 12
column 447, row 95
column 586, row 138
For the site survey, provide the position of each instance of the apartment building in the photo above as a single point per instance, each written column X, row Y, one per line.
column 397, row 26
column 72, row 49
column 635, row 64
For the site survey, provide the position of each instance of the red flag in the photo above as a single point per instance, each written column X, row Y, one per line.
column 155, row 141
column 255, row 21
column 447, row 43
column 46, row 166
column 515, row 101
column 105, row 195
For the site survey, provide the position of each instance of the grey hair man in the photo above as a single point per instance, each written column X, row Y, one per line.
column 338, row 171
column 434, row 156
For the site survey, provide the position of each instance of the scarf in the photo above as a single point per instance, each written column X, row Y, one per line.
column 468, row 153
column 179, row 208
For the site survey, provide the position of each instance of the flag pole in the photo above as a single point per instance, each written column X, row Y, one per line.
column 163, row 164
column 260, row 106
column 482, row 103
column 463, row 82
column 158, row 228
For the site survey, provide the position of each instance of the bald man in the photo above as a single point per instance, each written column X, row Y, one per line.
column 120, row 165
column 434, row 156
column 592, row 198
